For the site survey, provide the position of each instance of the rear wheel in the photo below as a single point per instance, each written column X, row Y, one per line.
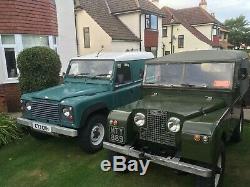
column 238, row 131
column 216, row 180
column 91, row 137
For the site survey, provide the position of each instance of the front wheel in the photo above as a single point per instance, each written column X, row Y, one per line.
column 216, row 180
column 238, row 131
column 91, row 137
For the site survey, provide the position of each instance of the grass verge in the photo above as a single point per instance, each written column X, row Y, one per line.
column 9, row 131
column 60, row 162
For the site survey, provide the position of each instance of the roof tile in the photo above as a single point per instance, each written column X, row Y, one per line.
column 100, row 12
column 187, row 21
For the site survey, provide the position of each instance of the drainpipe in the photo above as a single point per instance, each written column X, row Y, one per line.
column 172, row 35
column 140, row 31
column 77, row 42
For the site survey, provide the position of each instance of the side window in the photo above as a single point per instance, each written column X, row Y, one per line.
column 86, row 36
column 123, row 73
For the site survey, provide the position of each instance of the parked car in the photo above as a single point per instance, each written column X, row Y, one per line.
column 192, row 105
column 93, row 85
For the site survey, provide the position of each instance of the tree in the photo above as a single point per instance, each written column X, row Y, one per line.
column 239, row 31
column 39, row 69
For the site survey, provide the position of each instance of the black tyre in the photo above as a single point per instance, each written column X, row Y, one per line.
column 91, row 137
column 37, row 135
column 238, row 131
column 218, row 172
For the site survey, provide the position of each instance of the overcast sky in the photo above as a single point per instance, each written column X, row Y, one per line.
column 223, row 9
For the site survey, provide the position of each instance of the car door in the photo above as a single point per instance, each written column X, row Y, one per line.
column 123, row 84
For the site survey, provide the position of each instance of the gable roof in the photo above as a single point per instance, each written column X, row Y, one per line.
column 196, row 16
column 100, row 12
column 122, row 6
column 178, row 18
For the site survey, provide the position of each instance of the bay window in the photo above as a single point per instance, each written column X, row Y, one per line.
column 12, row 44
column 33, row 40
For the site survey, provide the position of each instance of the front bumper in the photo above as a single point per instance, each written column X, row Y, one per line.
column 54, row 129
column 173, row 163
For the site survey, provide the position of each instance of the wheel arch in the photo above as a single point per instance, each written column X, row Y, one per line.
column 98, row 108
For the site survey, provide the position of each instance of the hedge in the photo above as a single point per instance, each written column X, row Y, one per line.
column 39, row 69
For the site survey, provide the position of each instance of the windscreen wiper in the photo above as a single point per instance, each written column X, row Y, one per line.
column 81, row 75
column 188, row 85
column 101, row 75
column 193, row 85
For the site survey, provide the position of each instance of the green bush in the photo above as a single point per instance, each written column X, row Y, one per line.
column 39, row 69
column 9, row 131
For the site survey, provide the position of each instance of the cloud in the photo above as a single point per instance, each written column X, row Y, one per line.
column 223, row 9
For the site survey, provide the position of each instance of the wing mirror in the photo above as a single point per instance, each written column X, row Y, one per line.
column 63, row 74
column 242, row 74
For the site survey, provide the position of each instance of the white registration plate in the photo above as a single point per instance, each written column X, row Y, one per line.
column 41, row 127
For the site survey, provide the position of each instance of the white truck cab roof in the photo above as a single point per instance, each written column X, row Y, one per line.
column 117, row 56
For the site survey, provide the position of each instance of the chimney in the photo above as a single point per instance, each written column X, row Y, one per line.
column 156, row 3
column 203, row 4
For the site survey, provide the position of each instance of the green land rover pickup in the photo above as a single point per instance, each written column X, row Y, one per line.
column 93, row 85
column 192, row 105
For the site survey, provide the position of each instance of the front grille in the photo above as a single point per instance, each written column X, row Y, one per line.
column 156, row 129
column 45, row 110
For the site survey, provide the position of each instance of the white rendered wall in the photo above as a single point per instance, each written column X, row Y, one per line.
column 66, row 43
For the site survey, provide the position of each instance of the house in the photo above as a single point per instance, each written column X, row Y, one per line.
column 224, row 44
column 192, row 29
column 23, row 24
column 115, row 25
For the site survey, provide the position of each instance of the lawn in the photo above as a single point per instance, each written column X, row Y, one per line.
column 60, row 162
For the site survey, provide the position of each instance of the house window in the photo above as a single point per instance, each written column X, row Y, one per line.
column 11, row 62
column 86, row 36
column 151, row 22
column 215, row 30
column 8, row 43
column 167, row 53
column 8, row 39
column 181, row 41
column 123, row 73
column 33, row 41
column 164, row 31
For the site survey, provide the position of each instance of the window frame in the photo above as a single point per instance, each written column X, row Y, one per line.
column 181, row 42
column 18, row 47
column 86, row 42
column 149, row 17
column 165, row 30
column 117, row 85
column 6, row 77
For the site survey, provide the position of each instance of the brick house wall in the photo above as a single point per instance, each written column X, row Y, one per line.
column 10, row 96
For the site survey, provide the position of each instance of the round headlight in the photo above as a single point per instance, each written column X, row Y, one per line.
column 28, row 106
column 66, row 112
column 139, row 119
column 174, row 124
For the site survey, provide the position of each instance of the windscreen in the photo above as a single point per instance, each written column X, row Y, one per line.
column 203, row 75
column 91, row 68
